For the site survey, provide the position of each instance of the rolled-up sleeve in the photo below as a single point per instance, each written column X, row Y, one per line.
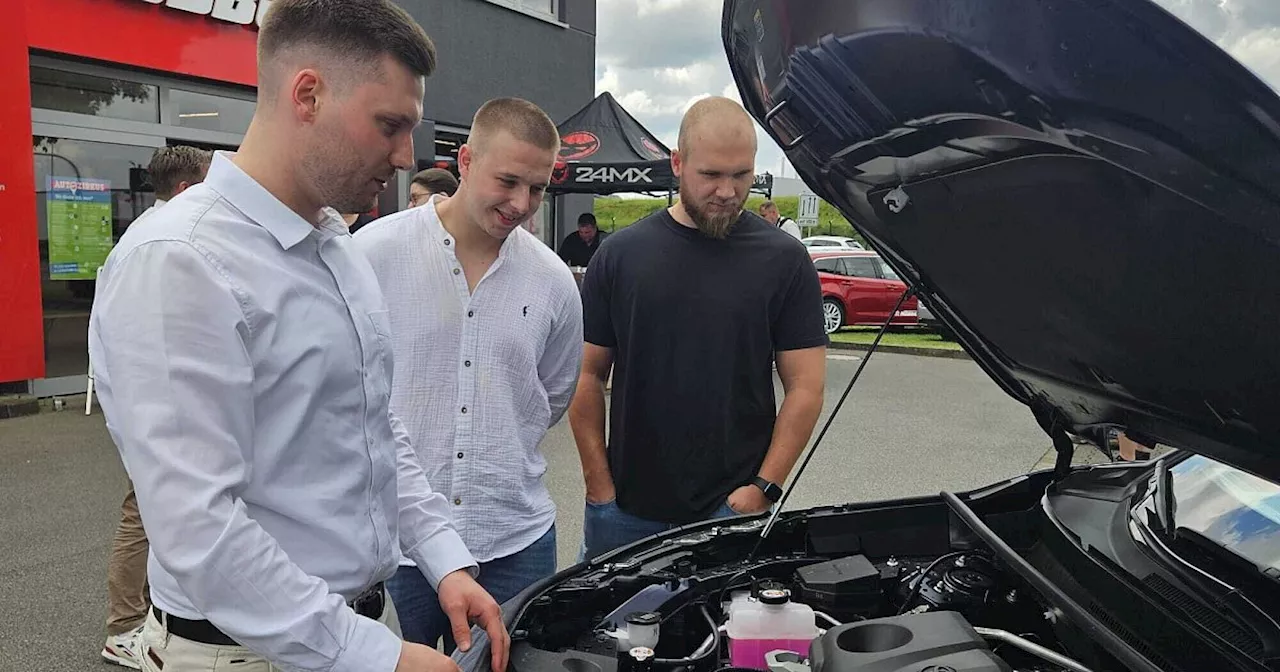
column 427, row 534
column 170, row 345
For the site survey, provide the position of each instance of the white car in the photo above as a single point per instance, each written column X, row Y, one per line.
column 829, row 243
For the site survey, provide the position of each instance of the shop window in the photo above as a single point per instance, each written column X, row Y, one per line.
column 87, row 193
column 98, row 96
column 210, row 113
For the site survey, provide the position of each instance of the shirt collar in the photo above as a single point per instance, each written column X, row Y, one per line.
column 159, row 202
column 440, row 237
column 252, row 199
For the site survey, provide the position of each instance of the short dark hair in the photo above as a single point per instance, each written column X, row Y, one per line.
column 767, row 204
column 587, row 218
column 521, row 118
column 437, row 181
column 171, row 166
column 359, row 30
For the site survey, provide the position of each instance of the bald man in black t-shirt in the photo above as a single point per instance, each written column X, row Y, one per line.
column 689, row 308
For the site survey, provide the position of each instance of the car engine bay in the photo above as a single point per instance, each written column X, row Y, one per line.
column 900, row 586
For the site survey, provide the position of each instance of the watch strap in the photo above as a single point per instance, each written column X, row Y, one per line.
column 772, row 491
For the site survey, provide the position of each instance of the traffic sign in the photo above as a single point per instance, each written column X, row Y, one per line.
column 807, row 214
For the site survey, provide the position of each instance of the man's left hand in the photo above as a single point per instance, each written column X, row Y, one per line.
column 748, row 499
column 465, row 602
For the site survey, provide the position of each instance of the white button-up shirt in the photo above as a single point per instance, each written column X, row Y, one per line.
column 242, row 359
column 481, row 376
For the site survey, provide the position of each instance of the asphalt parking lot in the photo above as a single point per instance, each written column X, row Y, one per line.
column 913, row 425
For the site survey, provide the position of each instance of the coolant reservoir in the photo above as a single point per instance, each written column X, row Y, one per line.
column 768, row 621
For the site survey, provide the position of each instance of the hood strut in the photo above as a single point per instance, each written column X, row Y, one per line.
column 777, row 508
column 1055, row 425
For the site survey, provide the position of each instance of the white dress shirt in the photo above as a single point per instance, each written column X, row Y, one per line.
column 481, row 376
column 243, row 362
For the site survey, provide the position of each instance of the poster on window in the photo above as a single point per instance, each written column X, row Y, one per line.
column 79, row 227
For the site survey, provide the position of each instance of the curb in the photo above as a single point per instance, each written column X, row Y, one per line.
column 18, row 406
column 903, row 350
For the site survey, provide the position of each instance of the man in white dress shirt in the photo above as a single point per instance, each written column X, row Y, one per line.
column 486, row 327
column 243, row 360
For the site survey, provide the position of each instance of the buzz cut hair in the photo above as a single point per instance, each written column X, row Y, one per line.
column 171, row 166
column 525, row 122
column 723, row 113
column 360, row 32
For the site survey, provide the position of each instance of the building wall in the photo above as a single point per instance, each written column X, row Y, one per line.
column 487, row 50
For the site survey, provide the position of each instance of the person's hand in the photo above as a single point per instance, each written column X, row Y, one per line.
column 464, row 602
column 419, row 658
column 748, row 499
column 600, row 488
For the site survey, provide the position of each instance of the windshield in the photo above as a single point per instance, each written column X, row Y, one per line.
column 1239, row 511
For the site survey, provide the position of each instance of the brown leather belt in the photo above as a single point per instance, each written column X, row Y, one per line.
column 369, row 604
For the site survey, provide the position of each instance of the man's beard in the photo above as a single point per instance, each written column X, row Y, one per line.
column 712, row 226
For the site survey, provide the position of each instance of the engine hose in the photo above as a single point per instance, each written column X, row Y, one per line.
column 713, row 651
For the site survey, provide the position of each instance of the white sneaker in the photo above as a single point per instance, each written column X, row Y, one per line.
column 124, row 649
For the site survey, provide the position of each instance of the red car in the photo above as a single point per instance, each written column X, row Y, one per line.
column 859, row 288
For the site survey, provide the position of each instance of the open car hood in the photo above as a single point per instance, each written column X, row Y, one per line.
column 1086, row 191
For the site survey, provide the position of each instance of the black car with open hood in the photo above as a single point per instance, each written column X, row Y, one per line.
column 1088, row 193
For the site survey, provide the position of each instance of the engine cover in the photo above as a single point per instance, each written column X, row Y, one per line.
column 941, row 641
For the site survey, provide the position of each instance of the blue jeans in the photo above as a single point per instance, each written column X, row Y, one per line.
column 606, row 527
column 422, row 621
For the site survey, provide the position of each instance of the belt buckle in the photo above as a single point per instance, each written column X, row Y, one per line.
column 370, row 603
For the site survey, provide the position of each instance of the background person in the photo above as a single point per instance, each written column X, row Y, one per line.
column 172, row 170
column 486, row 328
column 430, row 182
column 769, row 211
column 241, row 351
column 579, row 246
column 690, row 304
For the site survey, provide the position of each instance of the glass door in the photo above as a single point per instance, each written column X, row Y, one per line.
column 89, row 187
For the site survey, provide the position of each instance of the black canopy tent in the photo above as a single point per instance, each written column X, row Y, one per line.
column 604, row 150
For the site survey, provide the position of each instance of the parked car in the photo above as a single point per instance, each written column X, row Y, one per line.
column 824, row 243
column 859, row 288
column 1088, row 192
column 928, row 321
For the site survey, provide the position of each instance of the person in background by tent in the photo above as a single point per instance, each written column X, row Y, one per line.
column 172, row 170
column 579, row 246
column 769, row 210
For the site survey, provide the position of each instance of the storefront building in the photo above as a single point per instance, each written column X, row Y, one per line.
column 93, row 87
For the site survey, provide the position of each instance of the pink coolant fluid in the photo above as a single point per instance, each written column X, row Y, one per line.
column 767, row 621
column 751, row 652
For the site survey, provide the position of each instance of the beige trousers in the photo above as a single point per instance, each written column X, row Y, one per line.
column 162, row 652
column 127, row 601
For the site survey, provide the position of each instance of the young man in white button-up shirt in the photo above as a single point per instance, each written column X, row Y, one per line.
column 242, row 355
column 486, row 328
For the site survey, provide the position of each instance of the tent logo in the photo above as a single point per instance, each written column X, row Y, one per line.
column 578, row 145
column 560, row 173
column 653, row 149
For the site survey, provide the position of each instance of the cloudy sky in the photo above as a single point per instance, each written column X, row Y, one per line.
column 658, row 56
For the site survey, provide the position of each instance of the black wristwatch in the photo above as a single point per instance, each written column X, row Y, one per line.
column 772, row 491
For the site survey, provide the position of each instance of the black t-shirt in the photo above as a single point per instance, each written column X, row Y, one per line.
column 694, row 323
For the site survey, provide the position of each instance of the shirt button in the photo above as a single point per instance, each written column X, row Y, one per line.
column 446, row 241
column 459, row 456
column 457, row 501
column 471, row 313
column 464, row 409
column 467, row 363
column 456, row 271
